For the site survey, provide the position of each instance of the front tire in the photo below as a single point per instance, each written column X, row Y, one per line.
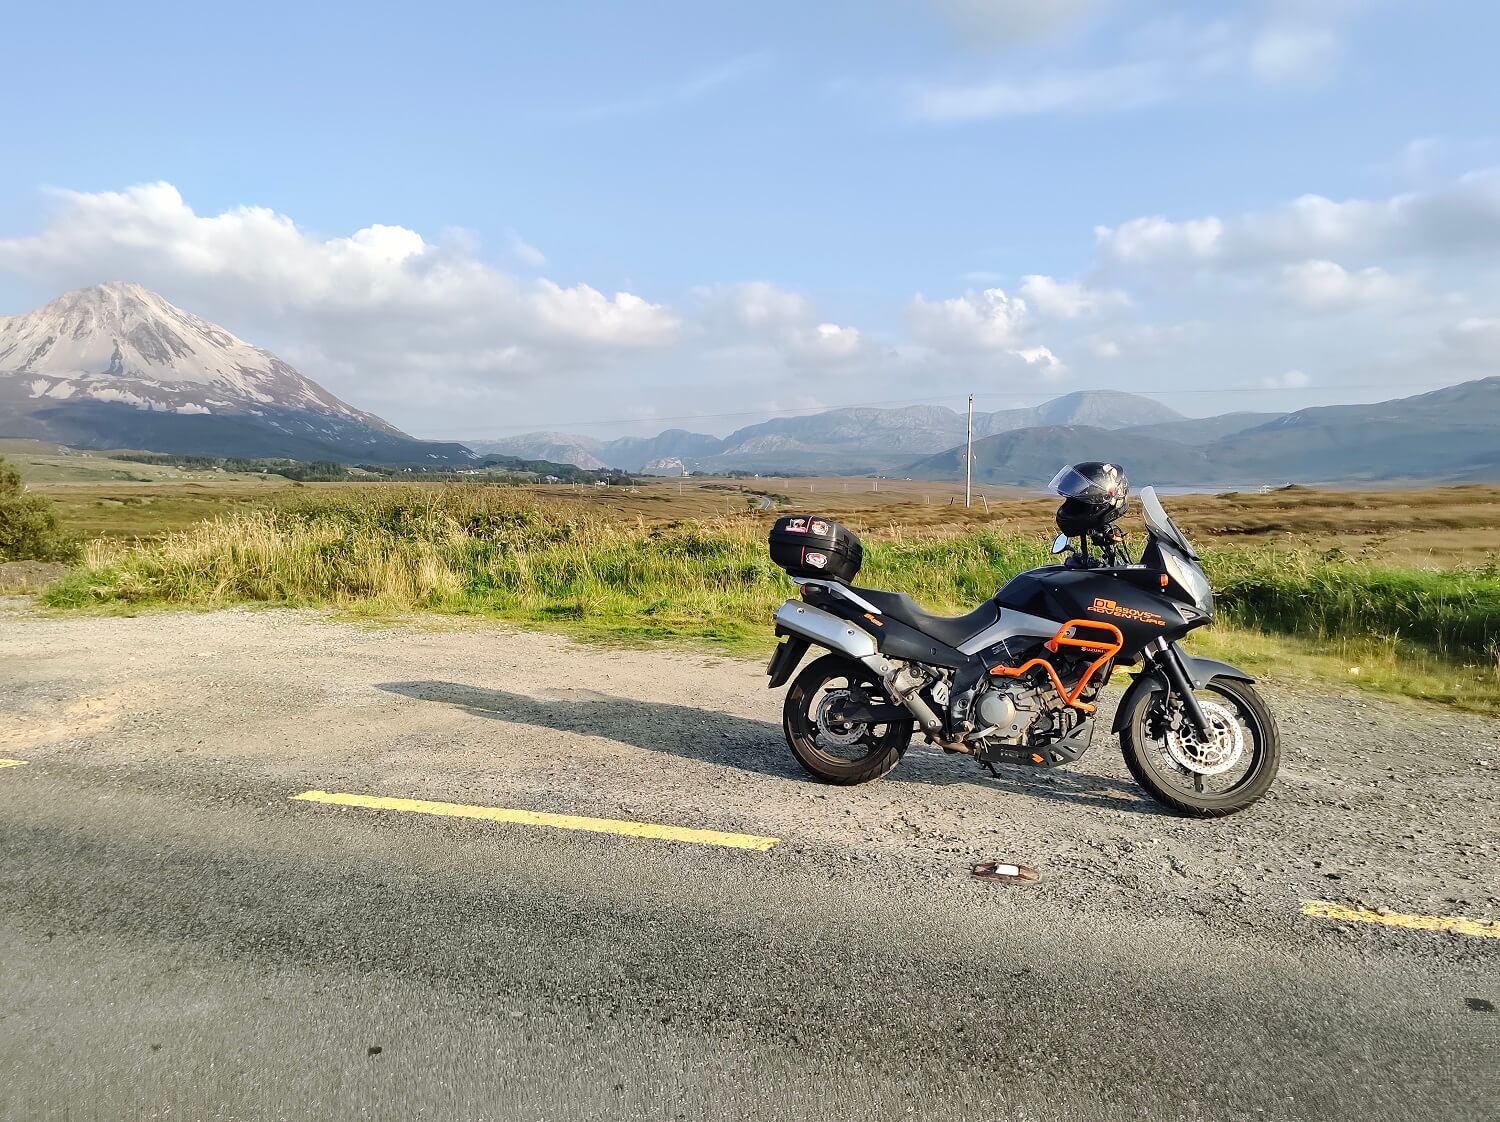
column 844, row 753
column 1179, row 773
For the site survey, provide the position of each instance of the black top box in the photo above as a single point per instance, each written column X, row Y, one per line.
column 809, row 545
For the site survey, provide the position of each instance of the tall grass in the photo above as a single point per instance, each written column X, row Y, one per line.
column 484, row 549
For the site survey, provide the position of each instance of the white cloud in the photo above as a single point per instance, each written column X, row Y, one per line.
column 260, row 262
column 1069, row 299
column 988, row 325
column 584, row 314
column 1104, row 348
column 1043, row 362
column 1290, row 380
column 1155, row 238
column 1457, row 218
column 1328, row 285
column 975, row 321
column 760, row 313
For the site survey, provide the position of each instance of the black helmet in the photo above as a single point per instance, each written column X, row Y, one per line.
column 1093, row 495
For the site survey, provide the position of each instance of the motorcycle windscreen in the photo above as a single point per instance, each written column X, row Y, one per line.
column 1160, row 523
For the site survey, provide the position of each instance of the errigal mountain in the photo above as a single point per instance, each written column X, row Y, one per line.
column 117, row 366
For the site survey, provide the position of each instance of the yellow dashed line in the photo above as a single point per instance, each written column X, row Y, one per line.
column 11, row 763
column 1479, row 928
column 534, row 818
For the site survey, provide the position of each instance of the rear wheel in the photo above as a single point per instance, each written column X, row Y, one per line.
column 834, row 750
column 1233, row 768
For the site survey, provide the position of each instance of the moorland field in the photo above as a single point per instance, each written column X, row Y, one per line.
column 1394, row 590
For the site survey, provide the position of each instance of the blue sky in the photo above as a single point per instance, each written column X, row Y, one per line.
column 475, row 219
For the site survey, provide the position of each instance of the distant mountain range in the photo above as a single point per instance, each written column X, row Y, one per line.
column 1449, row 434
column 117, row 366
column 839, row 440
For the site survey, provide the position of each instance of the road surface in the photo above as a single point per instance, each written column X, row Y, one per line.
column 182, row 938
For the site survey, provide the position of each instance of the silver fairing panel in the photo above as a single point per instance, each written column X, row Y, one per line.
column 1011, row 623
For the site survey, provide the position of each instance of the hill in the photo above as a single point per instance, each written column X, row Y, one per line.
column 117, row 366
column 1448, row 434
column 1029, row 457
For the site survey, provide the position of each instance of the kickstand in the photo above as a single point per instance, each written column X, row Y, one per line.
column 991, row 766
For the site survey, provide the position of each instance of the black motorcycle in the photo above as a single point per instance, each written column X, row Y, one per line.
column 1016, row 680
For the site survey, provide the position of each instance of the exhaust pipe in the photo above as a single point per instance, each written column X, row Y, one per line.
column 827, row 630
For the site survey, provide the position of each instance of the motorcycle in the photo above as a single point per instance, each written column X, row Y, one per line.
column 1017, row 680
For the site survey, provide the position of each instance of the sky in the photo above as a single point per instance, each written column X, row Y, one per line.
column 614, row 217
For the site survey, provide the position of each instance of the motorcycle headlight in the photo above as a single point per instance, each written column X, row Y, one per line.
column 1192, row 580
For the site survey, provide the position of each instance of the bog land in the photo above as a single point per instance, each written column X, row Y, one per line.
column 1392, row 590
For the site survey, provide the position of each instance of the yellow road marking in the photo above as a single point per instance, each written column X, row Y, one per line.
column 11, row 763
column 535, row 818
column 1479, row 928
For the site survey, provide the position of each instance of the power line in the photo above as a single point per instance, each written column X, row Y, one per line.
column 1028, row 395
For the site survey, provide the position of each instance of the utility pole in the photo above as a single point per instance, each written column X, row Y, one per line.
column 969, row 458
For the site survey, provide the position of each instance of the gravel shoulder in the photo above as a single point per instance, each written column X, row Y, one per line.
column 179, row 939
column 1385, row 805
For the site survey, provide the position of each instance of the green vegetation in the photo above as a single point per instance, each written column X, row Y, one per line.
column 28, row 524
column 495, row 551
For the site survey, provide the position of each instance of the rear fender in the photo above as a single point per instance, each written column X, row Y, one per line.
column 1200, row 672
column 787, row 658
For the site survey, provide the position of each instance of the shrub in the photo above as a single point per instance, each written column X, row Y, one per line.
column 28, row 525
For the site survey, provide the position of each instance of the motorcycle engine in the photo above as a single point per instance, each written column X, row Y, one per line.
column 1007, row 711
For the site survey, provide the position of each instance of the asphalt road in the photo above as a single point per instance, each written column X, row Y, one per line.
column 180, row 939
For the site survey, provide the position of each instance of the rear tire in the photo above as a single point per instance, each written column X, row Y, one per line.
column 869, row 756
column 1153, row 769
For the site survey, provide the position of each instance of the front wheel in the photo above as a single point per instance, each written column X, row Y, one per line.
column 835, row 750
column 1178, row 769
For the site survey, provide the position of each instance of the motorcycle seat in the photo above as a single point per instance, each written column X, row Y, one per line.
column 951, row 630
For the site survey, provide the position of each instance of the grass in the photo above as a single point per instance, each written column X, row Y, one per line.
column 496, row 551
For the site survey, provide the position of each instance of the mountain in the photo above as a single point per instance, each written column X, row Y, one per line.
column 1448, row 434
column 628, row 453
column 117, row 366
column 1205, row 430
column 1030, row 457
column 1451, row 433
column 1102, row 409
column 845, row 441
column 559, row 447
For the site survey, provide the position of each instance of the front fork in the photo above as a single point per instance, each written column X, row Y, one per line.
column 1167, row 657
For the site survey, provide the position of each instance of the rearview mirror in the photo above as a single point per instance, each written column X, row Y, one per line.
column 1062, row 544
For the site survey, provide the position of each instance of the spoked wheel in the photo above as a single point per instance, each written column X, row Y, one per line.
column 1210, row 778
column 833, row 749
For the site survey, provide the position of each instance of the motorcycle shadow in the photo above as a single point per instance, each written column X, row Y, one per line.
column 729, row 741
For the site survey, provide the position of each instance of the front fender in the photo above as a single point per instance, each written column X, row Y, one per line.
column 1200, row 672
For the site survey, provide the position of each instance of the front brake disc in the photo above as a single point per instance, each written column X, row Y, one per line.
column 1220, row 753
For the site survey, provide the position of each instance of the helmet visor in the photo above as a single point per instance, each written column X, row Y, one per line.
column 1071, row 483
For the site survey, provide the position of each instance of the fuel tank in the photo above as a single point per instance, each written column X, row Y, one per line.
column 1123, row 597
